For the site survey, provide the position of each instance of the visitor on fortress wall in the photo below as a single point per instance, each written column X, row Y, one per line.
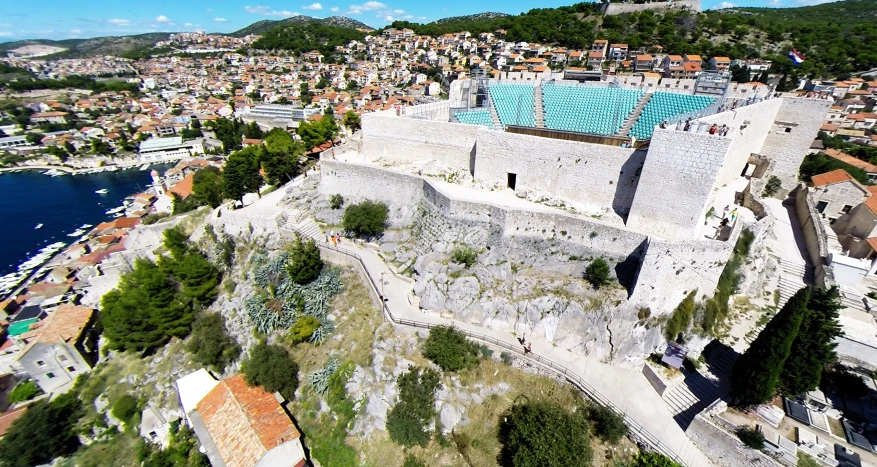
column 664, row 124
column 714, row 129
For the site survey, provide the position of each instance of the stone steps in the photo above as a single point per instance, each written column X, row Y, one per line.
column 537, row 107
column 494, row 117
column 634, row 115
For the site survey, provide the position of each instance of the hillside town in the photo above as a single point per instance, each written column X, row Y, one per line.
column 730, row 206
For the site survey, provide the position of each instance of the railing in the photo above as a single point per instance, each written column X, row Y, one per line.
column 637, row 433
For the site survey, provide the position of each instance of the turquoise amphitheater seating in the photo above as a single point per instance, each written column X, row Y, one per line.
column 587, row 109
column 514, row 104
column 664, row 105
column 477, row 117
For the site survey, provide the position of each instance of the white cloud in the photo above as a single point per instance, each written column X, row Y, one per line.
column 119, row 22
column 220, row 20
column 268, row 11
column 163, row 19
column 76, row 31
column 5, row 34
column 334, row 9
column 208, row 10
column 388, row 19
column 312, row 6
column 188, row 25
column 726, row 5
column 367, row 6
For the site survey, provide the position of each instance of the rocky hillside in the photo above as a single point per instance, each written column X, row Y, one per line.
column 109, row 45
column 261, row 27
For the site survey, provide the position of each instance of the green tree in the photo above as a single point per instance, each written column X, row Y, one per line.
column 751, row 437
column 304, row 93
column 33, row 138
column 352, row 121
column 241, row 174
column 450, row 349
column 365, row 219
column 681, row 317
column 756, row 373
column 125, row 408
column 303, row 329
column 316, row 133
column 653, row 459
column 409, row 420
column 44, row 432
column 272, row 368
column 24, row 391
column 543, row 434
column 176, row 241
column 253, row 131
column 304, row 261
column 280, row 157
column 813, row 347
column 598, row 273
column 608, row 424
column 207, row 187
column 210, row 343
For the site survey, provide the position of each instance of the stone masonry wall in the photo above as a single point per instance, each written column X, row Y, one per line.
column 592, row 177
column 749, row 127
column 803, row 117
column 621, row 8
column 670, row 270
column 676, row 182
column 408, row 139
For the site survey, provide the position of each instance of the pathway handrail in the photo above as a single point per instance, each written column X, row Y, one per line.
column 636, row 431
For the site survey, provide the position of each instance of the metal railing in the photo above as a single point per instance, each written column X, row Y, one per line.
column 636, row 433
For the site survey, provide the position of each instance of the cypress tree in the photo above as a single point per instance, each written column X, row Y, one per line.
column 755, row 375
column 813, row 348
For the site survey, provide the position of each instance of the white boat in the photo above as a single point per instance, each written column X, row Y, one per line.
column 144, row 167
column 119, row 214
column 76, row 233
column 102, row 191
column 39, row 226
column 116, row 210
column 85, row 226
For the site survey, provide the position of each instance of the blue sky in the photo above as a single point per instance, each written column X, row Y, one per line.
column 62, row 19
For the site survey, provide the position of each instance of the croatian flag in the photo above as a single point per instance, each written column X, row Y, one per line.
column 796, row 57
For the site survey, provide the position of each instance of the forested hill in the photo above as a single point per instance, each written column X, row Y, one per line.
column 261, row 27
column 837, row 38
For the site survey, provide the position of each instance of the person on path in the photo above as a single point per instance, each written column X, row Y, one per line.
column 721, row 228
column 327, row 239
column 528, row 348
column 687, row 125
column 725, row 211
column 734, row 215
column 714, row 129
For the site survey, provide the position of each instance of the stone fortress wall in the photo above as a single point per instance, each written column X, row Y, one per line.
column 795, row 127
column 621, row 8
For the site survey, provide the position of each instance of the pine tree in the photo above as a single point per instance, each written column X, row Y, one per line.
column 813, row 348
column 241, row 174
column 755, row 375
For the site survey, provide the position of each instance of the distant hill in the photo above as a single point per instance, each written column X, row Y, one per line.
column 76, row 48
column 261, row 27
column 476, row 17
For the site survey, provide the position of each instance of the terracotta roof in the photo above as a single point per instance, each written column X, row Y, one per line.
column 65, row 324
column 184, row 186
column 843, row 157
column 830, row 178
column 6, row 418
column 244, row 422
column 872, row 242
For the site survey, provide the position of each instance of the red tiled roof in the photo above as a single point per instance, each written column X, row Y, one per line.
column 244, row 422
column 844, row 157
column 65, row 324
column 6, row 418
column 830, row 178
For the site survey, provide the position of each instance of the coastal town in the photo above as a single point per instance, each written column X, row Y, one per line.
column 355, row 216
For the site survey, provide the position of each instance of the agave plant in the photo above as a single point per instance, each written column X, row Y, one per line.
column 322, row 333
column 320, row 378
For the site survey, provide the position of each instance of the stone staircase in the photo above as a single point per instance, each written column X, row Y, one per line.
column 634, row 115
column 538, row 111
column 494, row 117
column 304, row 225
column 794, row 276
column 700, row 388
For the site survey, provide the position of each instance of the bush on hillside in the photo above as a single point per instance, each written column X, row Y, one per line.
column 211, row 345
column 366, row 219
column 653, row 459
column 543, row 433
column 681, row 317
column 465, row 255
column 44, row 432
column 608, row 424
column 125, row 408
column 751, row 437
column 305, row 263
column 336, row 201
column 450, row 349
column 24, row 391
column 303, row 329
column 598, row 273
column 272, row 368
column 409, row 420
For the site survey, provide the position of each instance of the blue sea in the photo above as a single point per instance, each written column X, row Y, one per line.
column 62, row 204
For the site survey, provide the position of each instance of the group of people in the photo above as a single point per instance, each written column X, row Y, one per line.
column 527, row 347
column 726, row 220
column 721, row 131
column 335, row 238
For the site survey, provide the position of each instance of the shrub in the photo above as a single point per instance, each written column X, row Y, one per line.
column 336, row 201
column 271, row 367
column 409, row 419
column 24, row 391
column 305, row 263
column 210, row 343
column 644, row 313
column 597, row 273
column 750, row 437
column 506, row 358
column 450, row 349
column 465, row 255
column 608, row 425
column 485, row 351
column 652, row 459
column 543, row 433
column 303, row 329
column 125, row 408
column 772, row 186
column 681, row 317
column 44, row 432
column 411, row 461
column 365, row 219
